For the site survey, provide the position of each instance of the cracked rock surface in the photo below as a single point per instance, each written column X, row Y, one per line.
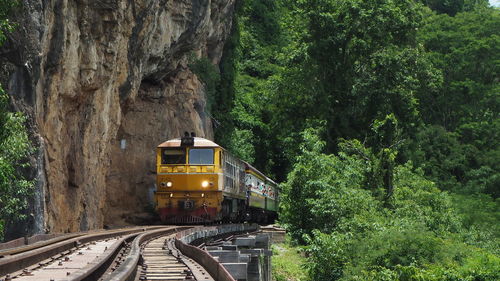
column 93, row 75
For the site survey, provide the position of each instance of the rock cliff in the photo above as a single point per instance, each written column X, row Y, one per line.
column 104, row 82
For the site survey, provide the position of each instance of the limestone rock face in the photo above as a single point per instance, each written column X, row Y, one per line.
column 104, row 82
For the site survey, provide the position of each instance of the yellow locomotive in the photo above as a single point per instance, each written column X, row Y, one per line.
column 198, row 181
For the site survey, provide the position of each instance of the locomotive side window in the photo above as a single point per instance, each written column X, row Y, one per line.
column 173, row 156
column 201, row 156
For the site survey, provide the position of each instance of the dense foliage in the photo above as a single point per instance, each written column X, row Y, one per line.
column 417, row 234
column 382, row 120
column 459, row 148
column 14, row 147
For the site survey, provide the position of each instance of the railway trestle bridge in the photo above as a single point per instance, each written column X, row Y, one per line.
column 224, row 252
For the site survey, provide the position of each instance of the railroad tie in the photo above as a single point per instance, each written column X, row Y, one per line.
column 160, row 264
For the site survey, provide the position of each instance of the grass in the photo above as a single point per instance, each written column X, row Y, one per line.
column 287, row 263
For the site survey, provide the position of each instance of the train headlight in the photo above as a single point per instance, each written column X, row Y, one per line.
column 166, row 184
column 204, row 184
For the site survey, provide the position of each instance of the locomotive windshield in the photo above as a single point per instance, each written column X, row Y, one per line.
column 201, row 156
column 173, row 156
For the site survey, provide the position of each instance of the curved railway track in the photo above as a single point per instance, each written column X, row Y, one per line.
column 153, row 256
column 150, row 253
column 161, row 260
column 77, row 257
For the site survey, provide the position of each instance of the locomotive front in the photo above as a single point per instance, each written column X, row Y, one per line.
column 188, row 177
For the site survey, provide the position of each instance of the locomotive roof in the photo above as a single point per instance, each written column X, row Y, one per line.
column 198, row 142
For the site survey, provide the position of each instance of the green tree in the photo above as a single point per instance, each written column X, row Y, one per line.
column 388, row 140
column 441, row 155
column 323, row 190
column 353, row 234
column 255, row 63
column 6, row 26
column 14, row 146
column 225, row 90
column 466, row 48
column 350, row 63
column 210, row 77
column 460, row 149
column 452, row 7
column 385, row 81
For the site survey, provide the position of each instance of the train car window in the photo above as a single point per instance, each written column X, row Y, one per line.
column 173, row 156
column 201, row 156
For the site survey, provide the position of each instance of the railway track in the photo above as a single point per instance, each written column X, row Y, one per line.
column 152, row 253
column 153, row 256
column 68, row 263
column 30, row 247
column 83, row 257
column 163, row 261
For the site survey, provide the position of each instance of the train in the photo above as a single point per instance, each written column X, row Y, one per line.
column 198, row 181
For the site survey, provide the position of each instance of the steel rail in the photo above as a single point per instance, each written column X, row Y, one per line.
column 36, row 245
column 191, row 255
column 17, row 262
column 128, row 269
column 113, row 265
column 98, row 266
